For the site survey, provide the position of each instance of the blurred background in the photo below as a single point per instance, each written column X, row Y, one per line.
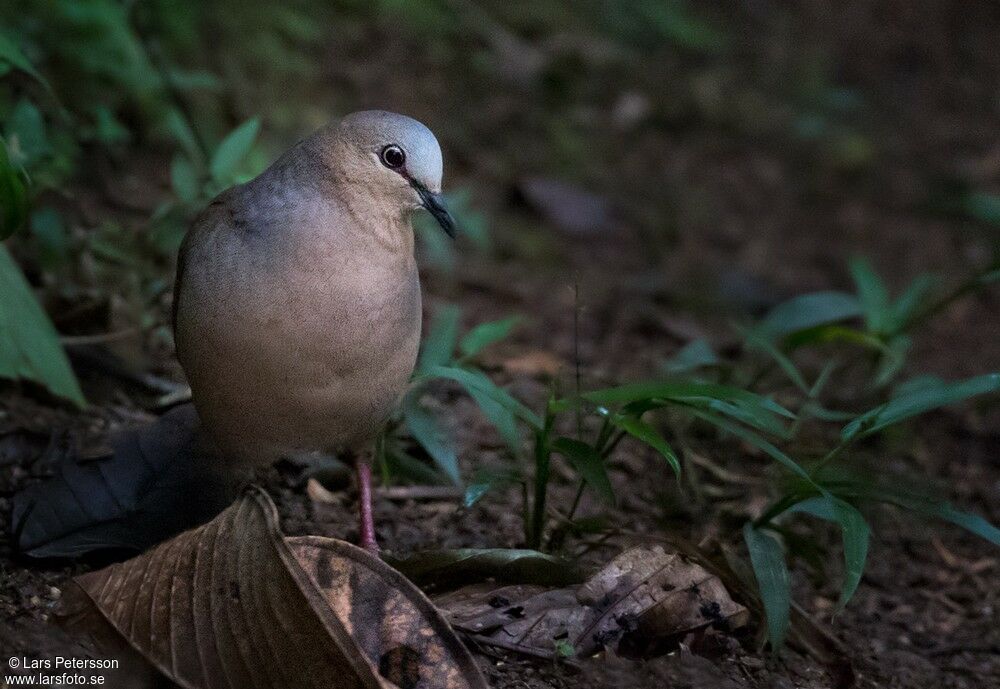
column 707, row 158
column 707, row 155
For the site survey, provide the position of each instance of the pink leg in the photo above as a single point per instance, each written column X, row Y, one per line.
column 367, row 522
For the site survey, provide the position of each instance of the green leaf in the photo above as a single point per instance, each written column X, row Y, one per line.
column 486, row 334
column 10, row 53
column 768, row 560
column 968, row 521
column 29, row 344
column 753, row 439
column 477, row 383
column 823, row 334
column 25, row 132
column 426, row 430
column 755, row 341
column 588, row 463
column 184, row 179
column 694, row 355
column 752, row 415
column 107, row 129
column 485, row 481
column 910, row 302
column 921, row 504
column 855, row 533
column 178, row 126
column 443, row 568
column 983, row 206
column 500, row 416
column 233, row 149
column 401, row 465
column 893, row 359
column 809, row 311
column 13, row 197
column 683, row 391
column 641, row 430
column 50, row 233
column 439, row 344
column 872, row 294
column 913, row 402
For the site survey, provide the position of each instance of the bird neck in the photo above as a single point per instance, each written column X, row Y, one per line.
column 373, row 223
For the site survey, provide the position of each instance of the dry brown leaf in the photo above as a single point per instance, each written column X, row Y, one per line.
column 648, row 594
column 641, row 600
column 233, row 604
column 397, row 628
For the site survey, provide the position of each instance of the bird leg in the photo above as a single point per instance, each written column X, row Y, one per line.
column 366, row 520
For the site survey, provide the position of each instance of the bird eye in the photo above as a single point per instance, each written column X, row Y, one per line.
column 393, row 156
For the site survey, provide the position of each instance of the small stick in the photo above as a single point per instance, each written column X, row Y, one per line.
column 420, row 492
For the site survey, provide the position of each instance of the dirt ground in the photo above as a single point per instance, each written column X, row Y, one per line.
column 711, row 220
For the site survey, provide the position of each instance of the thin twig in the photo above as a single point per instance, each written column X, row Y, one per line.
column 420, row 492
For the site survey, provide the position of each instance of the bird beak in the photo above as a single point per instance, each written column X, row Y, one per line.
column 435, row 206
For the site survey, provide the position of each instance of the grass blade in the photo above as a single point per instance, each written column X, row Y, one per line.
column 641, row 430
column 439, row 344
column 485, row 334
column 972, row 523
column 485, row 481
column 755, row 341
column 426, row 430
column 856, row 534
column 753, row 439
column 694, row 355
column 683, row 391
column 768, row 560
column 924, row 398
column 477, row 382
column 872, row 294
column 808, row 311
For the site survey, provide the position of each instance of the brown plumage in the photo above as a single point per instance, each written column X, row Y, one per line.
column 297, row 303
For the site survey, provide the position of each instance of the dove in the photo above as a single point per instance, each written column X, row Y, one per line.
column 297, row 303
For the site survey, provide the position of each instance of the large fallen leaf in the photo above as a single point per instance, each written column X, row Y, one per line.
column 233, row 604
column 649, row 594
column 640, row 602
column 157, row 481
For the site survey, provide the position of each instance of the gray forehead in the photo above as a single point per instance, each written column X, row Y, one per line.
column 374, row 129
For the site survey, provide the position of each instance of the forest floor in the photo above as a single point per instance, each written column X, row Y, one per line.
column 770, row 224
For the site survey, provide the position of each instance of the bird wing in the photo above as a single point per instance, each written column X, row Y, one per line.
column 216, row 216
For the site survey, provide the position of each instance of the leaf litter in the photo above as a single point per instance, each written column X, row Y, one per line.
column 641, row 603
column 234, row 603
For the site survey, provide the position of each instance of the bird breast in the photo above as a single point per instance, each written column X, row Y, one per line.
column 306, row 350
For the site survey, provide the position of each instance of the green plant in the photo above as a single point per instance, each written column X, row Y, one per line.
column 443, row 355
column 886, row 324
column 825, row 483
column 704, row 391
column 612, row 414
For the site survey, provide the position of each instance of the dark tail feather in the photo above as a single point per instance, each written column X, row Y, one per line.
column 158, row 481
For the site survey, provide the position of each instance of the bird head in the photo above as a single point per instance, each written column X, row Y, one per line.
column 397, row 156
